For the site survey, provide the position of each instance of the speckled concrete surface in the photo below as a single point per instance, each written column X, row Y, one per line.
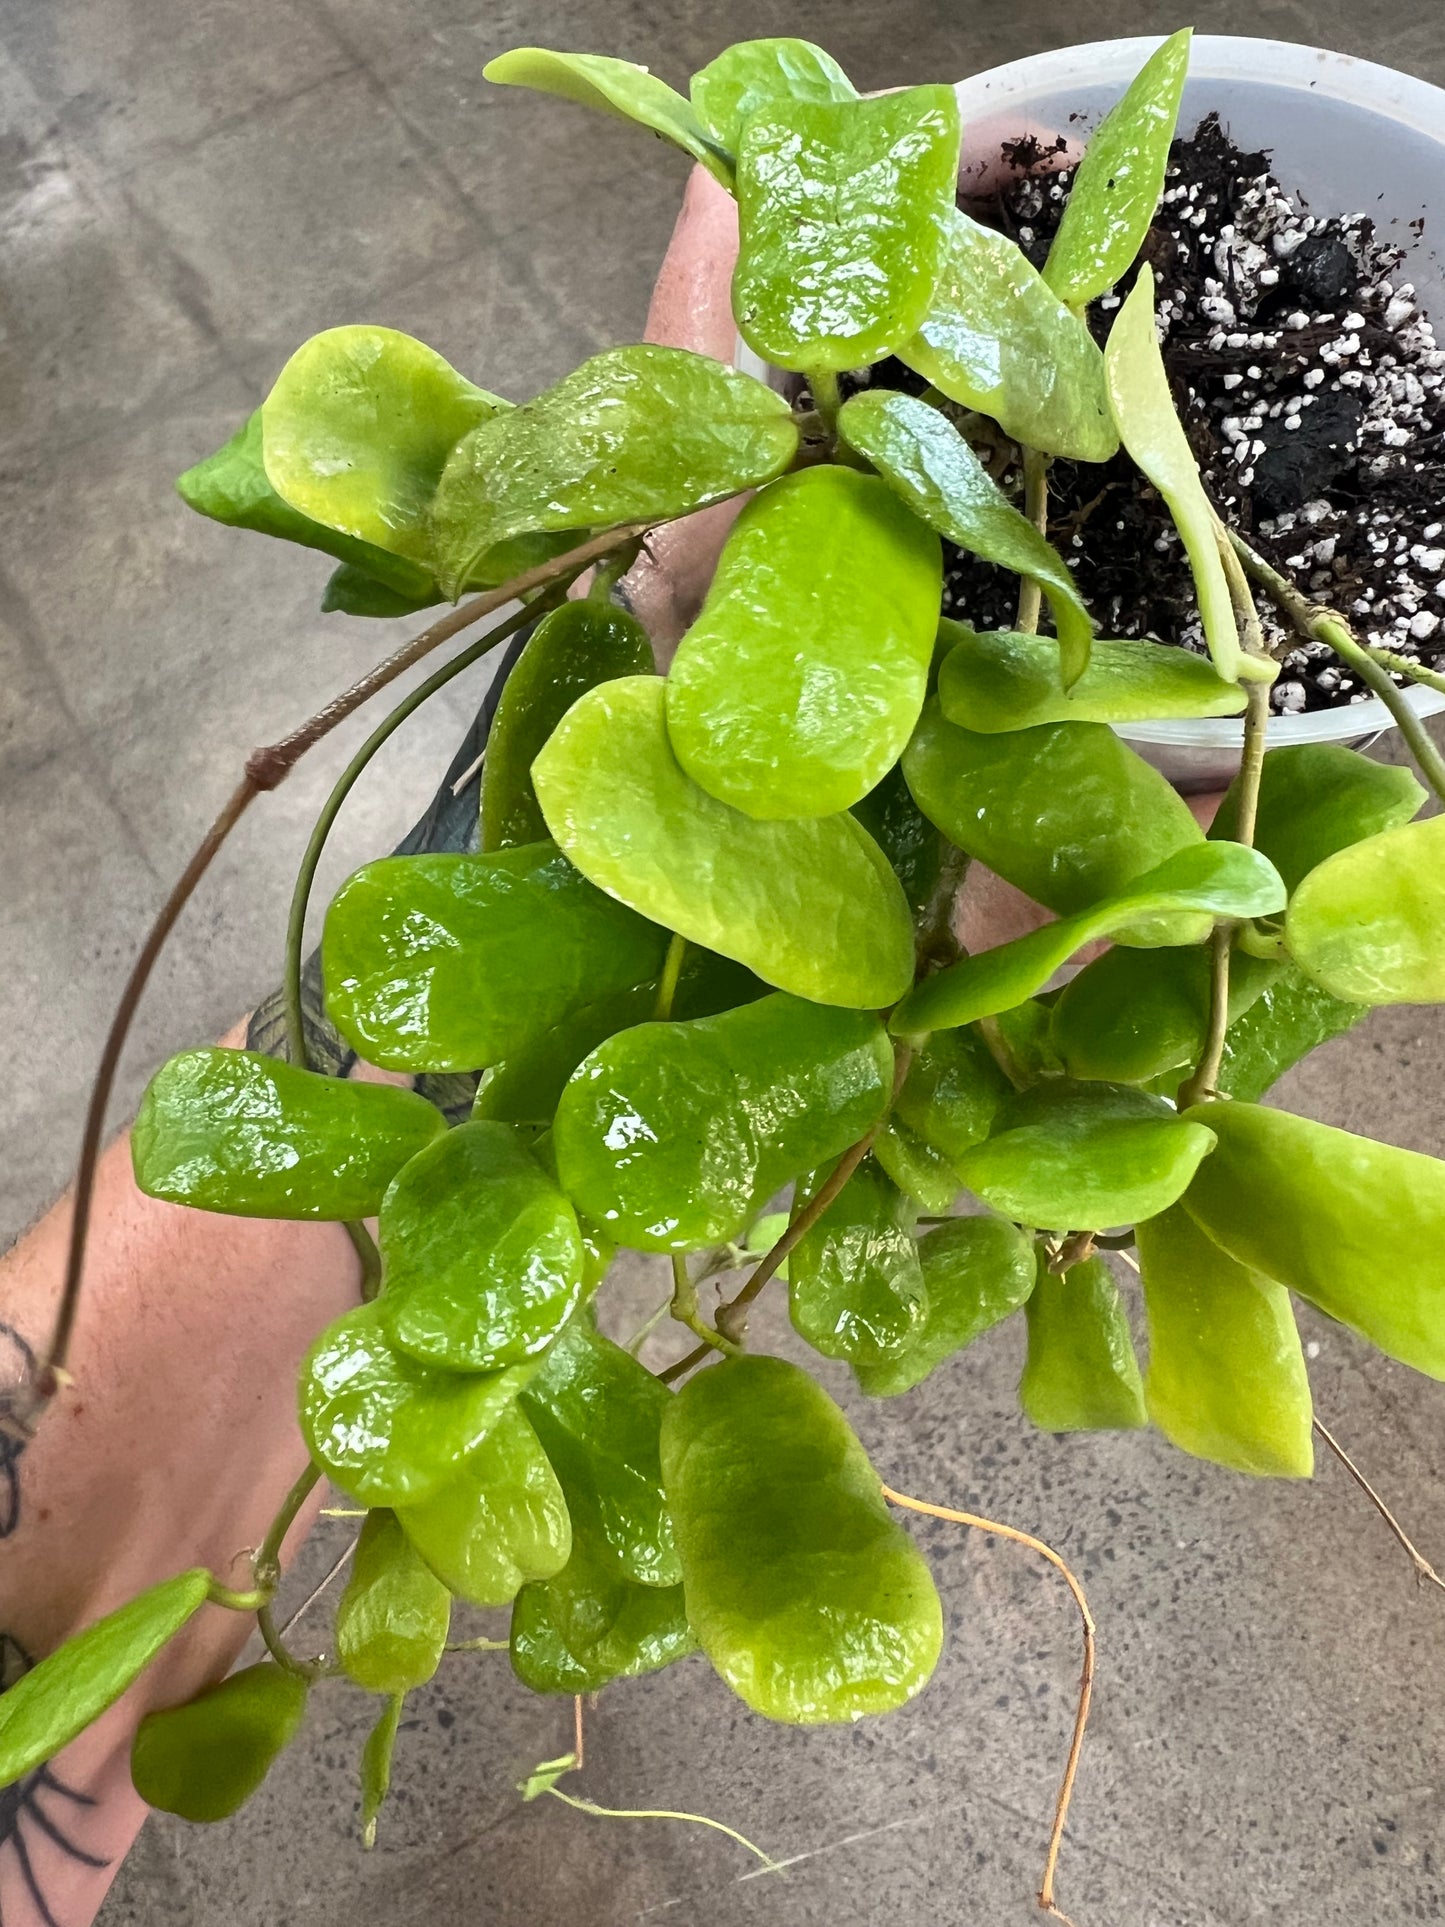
column 187, row 187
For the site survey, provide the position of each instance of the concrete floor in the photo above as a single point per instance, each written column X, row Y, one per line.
column 188, row 188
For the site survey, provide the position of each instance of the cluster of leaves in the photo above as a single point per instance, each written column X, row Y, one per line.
column 702, row 954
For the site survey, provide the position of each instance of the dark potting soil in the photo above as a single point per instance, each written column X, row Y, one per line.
column 1313, row 395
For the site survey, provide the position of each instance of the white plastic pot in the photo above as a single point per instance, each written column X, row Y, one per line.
column 1344, row 135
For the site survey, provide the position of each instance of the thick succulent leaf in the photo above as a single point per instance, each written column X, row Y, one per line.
column 589, row 1625
column 976, row 1271
column 1149, row 428
column 527, row 1087
column 910, row 842
column 569, row 652
column 915, row 1167
column 232, row 486
column 842, row 210
column 231, row 1130
column 1066, row 812
column 1081, row 1374
column 1021, row 1037
column 998, row 339
column 386, row 1429
column 672, row 1135
column 357, row 429
column 855, row 1285
column 753, row 75
column 392, row 1622
column 599, row 1415
column 350, row 591
column 1004, row 681
column 1082, row 1157
column 1211, row 879
column 1368, row 925
column 60, row 1696
column 921, row 455
column 1118, row 183
column 1317, row 798
column 1292, row 1018
column 617, row 87
column 481, row 1253
column 501, row 1521
column 1226, row 1378
column 635, row 434
column 799, row 684
column 808, row 1598
column 1354, row 1226
column 1131, row 1015
column 205, row 1759
column 376, row 1758
column 812, row 907
column 952, row 1093
column 443, row 962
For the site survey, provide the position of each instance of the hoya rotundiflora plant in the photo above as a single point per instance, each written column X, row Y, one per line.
column 703, row 954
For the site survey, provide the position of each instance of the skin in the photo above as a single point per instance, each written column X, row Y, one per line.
column 134, row 1473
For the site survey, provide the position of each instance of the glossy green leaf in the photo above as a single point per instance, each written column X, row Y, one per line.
column 1132, row 1014
column 617, row 87
column 1368, row 924
column 672, row 1135
column 234, row 1131
column 1066, row 812
column 635, row 434
column 351, row 591
column 910, row 842
column 376, row 1758
column 1081, row 1157
column 1226, row 1377
column 599, row 1415
column 589, row 1625
column 1316, row 799
column 501, row 1521
column 842, row 209
column 387, row 1430
column 811, row 1602
column 1003, row 681
column 812, row 907
column 569, row 652
column 921, row 455
column 61, row 1694
column 481, row 1253
column 915, row 1167
column 799, row 684
column 977, row 1271
column 1117, row 185
column 527, row 1087
column 855, row 1285
column 1292, row 1018
column 1081, row 1374
column 952, row 1092
column 357, row 429
column 1354, row 1226
column 997, row 339
column 753, row 75
column 232, row 486
column 443, row 962
column 1022, row 1038
column 205, row 1759
column 392, row 1622
column 1151, row 431
column 1212, row 879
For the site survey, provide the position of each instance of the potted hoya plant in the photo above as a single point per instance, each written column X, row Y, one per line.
column 702, row 956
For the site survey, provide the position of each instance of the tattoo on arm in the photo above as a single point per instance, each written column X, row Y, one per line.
column 17, row 1371
column 40, row 1808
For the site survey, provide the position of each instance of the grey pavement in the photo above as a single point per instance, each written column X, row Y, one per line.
column 187, row 189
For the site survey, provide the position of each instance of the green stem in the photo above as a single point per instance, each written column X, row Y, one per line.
column 610, row 571
column 266, row 1566
column 667, row 983
column 827, row 397
column 237, row 1602
column 1324, row 625
column 477, row 1646
column 1405, row 666
column 1036, row 508
column 663, row 1813
column 935, row 945
column 684, row 1309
